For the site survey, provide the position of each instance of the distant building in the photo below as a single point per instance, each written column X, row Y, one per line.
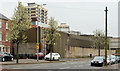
column 63, row 27
column 4, row 42
column 114, row 43
column 87, row 35
column 75, row 32
column 37, row 13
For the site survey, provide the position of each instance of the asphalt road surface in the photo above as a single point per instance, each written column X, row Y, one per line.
column 58, row 65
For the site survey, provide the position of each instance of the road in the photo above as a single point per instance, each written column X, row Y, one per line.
column 58, row 65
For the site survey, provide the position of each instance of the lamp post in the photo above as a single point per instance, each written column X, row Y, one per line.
column 99, row 43
column 38, row 30
column 106, row 36
column 109, row 52
column 68, row 41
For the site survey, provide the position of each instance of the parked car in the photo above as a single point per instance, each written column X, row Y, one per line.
column 4, row 56
column 113, row 59
column 98, row 61
column 40, row 55
column 108, row 61
column 55, row 56
column 118, row 57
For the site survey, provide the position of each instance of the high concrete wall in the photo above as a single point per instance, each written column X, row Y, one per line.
column 26, row 48
column 62, row 45
column 84, row 52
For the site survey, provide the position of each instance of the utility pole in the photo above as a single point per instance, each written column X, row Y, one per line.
column 106, row 36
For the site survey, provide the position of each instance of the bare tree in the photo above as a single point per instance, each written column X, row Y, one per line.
column 99, row 40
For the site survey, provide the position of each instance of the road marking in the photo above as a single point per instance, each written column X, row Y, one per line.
column 65, row 68
column 80, row 66
column 63, row 63
column 49, row 70
column 71, row 63
column 96, row 67
column 61, row 68
column 75, row 66
column 17, row 68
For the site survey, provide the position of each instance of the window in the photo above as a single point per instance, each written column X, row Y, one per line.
column 29, row 14
column 33, row 11
column 6, row 25
column 6, row 37
column 8, row 50
column 32, row 8
column 0, row 24
column 4, row 48
column 33, row 15
column 0, row 36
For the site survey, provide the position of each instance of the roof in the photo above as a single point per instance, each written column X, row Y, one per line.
column 63, row 26
column 3, row 17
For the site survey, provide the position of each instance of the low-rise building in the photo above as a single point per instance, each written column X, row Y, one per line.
column 114, row 43
column 63, row 28
column 75, row 32
column 5, row 44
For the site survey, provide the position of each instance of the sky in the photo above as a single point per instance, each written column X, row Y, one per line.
column 84, row 16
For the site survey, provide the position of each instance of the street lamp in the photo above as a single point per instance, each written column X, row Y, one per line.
column 106, row 10
column 109, row 51
column 68, row 41
column 99, row 43
column 38, row 30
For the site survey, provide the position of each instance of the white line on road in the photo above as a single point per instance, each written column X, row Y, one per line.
column 75, row 66
column 65, row 68
column 63, row 63
column 80, row 66
column 61, row 68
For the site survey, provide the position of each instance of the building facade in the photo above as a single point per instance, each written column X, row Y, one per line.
column 64, row 28
column 75, row 32
column 5, row 44
column 114, row 43
column 37, row 13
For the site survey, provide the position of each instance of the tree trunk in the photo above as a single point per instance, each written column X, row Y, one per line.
column 99, row 49
column 17, row 53
column 51, row 52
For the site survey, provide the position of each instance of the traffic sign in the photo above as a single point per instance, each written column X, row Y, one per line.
column 37, row 47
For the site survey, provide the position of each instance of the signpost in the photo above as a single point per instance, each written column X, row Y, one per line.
column 37, row 47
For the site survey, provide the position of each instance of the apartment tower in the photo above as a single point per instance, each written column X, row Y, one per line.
column 37, row 13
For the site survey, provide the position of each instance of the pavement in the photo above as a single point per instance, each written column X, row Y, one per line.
column 34, row 61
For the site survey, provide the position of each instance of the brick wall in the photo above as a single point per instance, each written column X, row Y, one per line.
column 4, row 31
